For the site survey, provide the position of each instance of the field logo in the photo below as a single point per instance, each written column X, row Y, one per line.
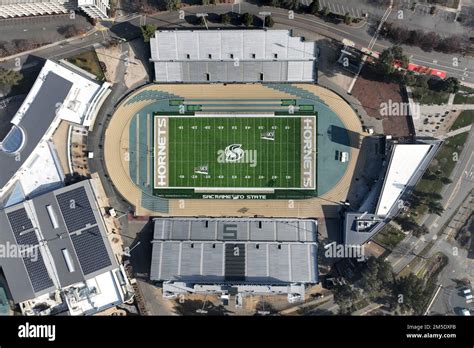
column 235, row 154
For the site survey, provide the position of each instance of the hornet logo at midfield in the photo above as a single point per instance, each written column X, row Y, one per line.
column 235, row 154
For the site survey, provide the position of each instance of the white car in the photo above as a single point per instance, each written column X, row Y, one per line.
column 466, row 291
column 465, row 312
column 468, row 297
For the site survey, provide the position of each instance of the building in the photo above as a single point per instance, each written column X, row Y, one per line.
column 234, row 255
column 407, row 164
column 24, row 8
column 197, row 56
column 61, row 92
column 94, row 8
column 63, row 260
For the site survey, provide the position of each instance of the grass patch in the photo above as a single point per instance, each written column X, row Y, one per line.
column 428, row 96
column 89, row 62
column 444, row 163
column 389, row 236
column 464, row 119
column 465, row 95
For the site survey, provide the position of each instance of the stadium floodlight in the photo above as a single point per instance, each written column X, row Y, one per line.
column 203, row 15
column 264, row 14
column 127, row 250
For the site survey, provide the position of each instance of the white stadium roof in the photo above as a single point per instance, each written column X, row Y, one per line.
column 232, row 56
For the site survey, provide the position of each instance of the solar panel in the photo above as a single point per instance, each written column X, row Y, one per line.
column 76, row 209
column 91, row 250
column 28, row 238
column 19, row 221
column 38, row 273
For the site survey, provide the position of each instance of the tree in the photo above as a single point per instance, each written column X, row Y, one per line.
column 247, row 19
column 389, row 56
column 291, row 4
column 346, row 296
column 173, row 5
column 410, row 294
column 148, row 31
column 326, row 11
column 435, row 207
column 224, row 18
column 377, row 278
column 451, row 85
column 445, row 180
column 314, row 7
column 10, row 77
column 347, row 19
column 420, row 230
column 269, row 22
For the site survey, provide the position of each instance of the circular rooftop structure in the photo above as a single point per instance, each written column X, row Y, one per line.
column 13, row 141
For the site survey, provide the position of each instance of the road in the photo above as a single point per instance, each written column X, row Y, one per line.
column 453, row 195
column 457, row 66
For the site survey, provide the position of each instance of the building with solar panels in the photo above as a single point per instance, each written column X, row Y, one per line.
column 66, row 263
column 234, row 255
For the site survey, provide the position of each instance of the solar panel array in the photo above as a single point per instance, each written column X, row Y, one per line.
column 91, row 250
column 19, row 221
column 76, row 209
column 28, row 238
column 37, row 272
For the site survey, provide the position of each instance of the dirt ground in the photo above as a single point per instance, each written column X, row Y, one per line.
column 136, row 71
column 111, row 57
column 372, row 90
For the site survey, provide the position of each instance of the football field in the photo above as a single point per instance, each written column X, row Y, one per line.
column 235, row 151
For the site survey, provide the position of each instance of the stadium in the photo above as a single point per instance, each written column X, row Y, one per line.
column 233, row 149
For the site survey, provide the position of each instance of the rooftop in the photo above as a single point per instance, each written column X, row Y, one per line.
column 250, row 251
column 64, row 238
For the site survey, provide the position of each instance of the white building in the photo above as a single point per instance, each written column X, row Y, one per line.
column 24, row 8
column 232, row 56
column 62, row 92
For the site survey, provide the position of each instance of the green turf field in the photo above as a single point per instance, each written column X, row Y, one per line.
column 195, row 142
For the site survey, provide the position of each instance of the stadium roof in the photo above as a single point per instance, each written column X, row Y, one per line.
column 251, row 251
column 404, row 162
column 232, row 56
column 60, row 92
column 64, row 232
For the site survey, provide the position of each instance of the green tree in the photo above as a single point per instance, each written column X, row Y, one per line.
column 410, row 294
column 388, row 57
column 202, row 21
column 326, row 11
column 377, row 278
column 224, row 18
column 314, row 7
column 10, row 77
column 445, row 180
column 148, row 31
column 291, row 4
column 346, row 297
column 435, row 207
column 451, row 85
column 247, row 19
column 347, row 19
column 173, row 5
column 269, row 22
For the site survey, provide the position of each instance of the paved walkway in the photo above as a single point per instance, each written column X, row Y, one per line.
column 457, row 131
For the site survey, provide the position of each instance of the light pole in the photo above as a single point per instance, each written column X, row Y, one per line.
column 264, row 14
column 203, row 15
column 127, row 250
column 202, row 310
